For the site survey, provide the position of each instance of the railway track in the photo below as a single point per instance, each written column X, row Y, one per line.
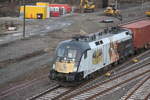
column 50, row 93
column 17, row 88
column 21, row 87
column 94, row 90
column 55, row 94
column 143, row 87
column 34, row 82
column 96, row 82
column 97, row 79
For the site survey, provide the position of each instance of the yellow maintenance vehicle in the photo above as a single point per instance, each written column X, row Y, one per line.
column 147, row 13
column 87, row 6
column 111, row 10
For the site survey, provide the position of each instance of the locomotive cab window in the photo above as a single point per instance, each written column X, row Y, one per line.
column 71, row 53
column 61, row 52
column 64, row 52
column 99, row 42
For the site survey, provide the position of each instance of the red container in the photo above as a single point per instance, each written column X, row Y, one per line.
column 55, row 12
column 66, row 6
column 141, row 33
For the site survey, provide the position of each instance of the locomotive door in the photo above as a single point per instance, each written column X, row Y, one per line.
column 85, row 64
column 105, row 54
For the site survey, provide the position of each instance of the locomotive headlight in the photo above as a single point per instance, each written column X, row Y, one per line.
column 73, row 60
column 74, row 69
column 53, row 66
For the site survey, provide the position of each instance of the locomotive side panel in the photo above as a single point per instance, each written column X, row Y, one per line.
column 124, row 45
column 84, row 63
column 93, row 60
column 105, row 52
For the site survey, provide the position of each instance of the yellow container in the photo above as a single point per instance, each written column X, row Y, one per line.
column 42, row 4
column 34, row 12
column 45, row 4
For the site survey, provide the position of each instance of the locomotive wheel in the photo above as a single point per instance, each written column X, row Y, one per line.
column 142, row 50
column 89, row 77
column 137, row 52
column 120, row 61
column 115, row 63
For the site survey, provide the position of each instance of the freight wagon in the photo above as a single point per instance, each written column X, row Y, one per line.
column 141, row 33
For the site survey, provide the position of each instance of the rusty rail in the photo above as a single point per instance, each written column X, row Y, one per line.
column 113, row 78
column 129, row 95
column 123, row 82
column 45, row 92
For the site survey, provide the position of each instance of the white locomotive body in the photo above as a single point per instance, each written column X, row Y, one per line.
column 78, row 58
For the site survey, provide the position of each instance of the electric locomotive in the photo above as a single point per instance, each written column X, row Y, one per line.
column 81, row 56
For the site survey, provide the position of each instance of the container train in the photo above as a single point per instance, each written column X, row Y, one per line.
column 78, row 58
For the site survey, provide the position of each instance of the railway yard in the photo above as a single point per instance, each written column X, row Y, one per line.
column 25, row 63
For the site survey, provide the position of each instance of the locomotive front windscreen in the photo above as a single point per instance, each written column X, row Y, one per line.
column 69, row 53
column 66, row 59
column 61, row 52
column 68, row 56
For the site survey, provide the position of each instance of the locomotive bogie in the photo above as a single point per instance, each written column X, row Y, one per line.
column 75, row 76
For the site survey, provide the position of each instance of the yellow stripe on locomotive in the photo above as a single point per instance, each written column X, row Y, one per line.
column 64, row 67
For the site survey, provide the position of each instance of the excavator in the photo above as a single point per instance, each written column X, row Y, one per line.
column 112, row 9
column 147, row 13
column 87, row 6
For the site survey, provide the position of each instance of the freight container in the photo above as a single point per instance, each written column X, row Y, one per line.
column 62, row 11
column 42, row 4
column 141, row 33
column 46, row 4
column 55, row 12
column 66, row 6
column 34, row 12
